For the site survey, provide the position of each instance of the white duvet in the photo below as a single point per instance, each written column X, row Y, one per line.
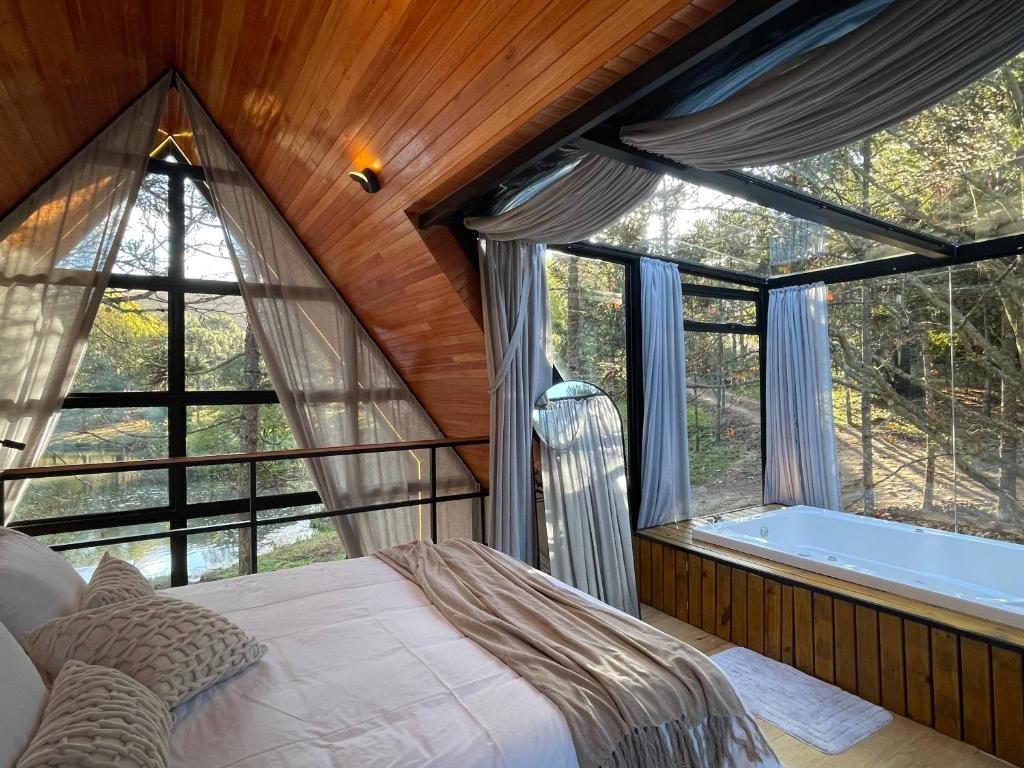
column 361, row 672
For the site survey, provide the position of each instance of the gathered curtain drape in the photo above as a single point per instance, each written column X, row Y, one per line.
column 587, row 516
column 57, row 250
column 335, row 385
column 596, row 192
column 898, row 62
column 514, row 287
column 801, row 465
column 665, row 494
column 517, row 326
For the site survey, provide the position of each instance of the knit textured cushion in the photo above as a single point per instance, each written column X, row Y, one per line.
column 100, row 718
column 174, row 648
column 114, row 581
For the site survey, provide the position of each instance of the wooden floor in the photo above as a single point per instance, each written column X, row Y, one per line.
column 901, row 744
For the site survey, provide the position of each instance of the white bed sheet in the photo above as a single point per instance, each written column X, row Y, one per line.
column 361, row 672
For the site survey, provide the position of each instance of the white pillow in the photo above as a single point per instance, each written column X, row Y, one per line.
column 38, row 584
column 22, row 698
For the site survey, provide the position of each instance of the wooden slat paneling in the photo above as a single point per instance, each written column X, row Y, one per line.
column 695, row 592
column 739, row 606
column 708, row 580
column 657, row 581
column 845, row 633
column 803, row 630
column 773, row 619
column 682, row 586
column 892, row 666
column 824, row 648
column 723, row 601
column 960, row 684
column 869, row 666
column 755, row 612
column 946, row 682
column 917, row 653
column 976, row 683
column 1008, row 704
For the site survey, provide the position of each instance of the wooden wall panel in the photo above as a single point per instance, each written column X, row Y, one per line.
column 429, row 93
column 976, row 677
column 962, row 684
column 1008, row 704
column 845, row 645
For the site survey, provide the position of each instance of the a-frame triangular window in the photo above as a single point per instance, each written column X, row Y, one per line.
column 172, row 368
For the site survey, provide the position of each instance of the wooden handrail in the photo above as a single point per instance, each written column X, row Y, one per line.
column 64, row 470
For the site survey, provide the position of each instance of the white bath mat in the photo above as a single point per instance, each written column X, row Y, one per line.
column 818, row 714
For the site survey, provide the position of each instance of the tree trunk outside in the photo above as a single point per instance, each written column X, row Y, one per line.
column 572, row 318
column 1008, row 469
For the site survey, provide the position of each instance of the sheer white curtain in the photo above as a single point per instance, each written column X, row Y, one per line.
column 801, row 465
column 57, row 249
column 334, row 383
column 665, row 492
column 515, row 295
column 587, row 515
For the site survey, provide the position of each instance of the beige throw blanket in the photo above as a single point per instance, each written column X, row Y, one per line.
column 632, row 696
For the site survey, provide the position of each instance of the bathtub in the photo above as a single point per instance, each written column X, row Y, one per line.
column 969, row 574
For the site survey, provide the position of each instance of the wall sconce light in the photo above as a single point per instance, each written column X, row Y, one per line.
column 367, row 179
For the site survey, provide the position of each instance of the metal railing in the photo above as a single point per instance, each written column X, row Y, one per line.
column 177, row 515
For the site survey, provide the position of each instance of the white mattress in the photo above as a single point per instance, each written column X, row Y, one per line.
column 362, row 671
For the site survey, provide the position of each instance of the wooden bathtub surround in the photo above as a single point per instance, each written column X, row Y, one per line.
column 901, row 744
column 961, row 675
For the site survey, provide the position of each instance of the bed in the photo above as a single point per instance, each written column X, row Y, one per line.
column 361, row 670
column 422, row 655
column 365, row 666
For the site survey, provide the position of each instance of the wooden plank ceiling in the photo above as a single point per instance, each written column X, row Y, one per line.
column 428, row 93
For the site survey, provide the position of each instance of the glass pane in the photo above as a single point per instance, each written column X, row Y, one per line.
column 891, row 378
column 708, row 310
column 90, row 435
column 290, row 545
column 206, row 253
column 588, row 323
column 687, row 222
column 144, row 247
column 152, row 557
column 220, row 347
column 988, row 328
column 127, row 345
column 213, row 429
column 723, row 421
column 218, row 555
column 953, row 170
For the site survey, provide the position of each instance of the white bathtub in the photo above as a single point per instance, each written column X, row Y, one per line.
column 973, row 575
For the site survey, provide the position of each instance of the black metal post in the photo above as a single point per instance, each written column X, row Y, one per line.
column 433, row 494
column 634, row 388
column 253, row 568
column 762, row 358
column 176, row 414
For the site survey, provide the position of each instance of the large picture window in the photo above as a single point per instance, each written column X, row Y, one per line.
column 928, row 384
column 172, row 368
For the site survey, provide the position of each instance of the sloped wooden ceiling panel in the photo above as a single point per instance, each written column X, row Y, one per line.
column 66, row 70
column 428, row 92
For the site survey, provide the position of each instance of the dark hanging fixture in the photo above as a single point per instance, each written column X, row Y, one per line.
column 367, row 179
